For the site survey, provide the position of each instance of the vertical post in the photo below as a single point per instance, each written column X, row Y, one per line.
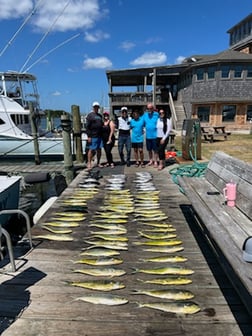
column 154, row 86
column 34, row 134
column 68, row 159
column 77, row 133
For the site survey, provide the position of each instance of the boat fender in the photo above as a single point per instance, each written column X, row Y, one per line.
column 43, row 209
column 37, row 178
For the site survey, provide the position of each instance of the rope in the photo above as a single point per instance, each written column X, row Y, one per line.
column 195, row 169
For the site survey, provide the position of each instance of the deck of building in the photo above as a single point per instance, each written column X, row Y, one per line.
column 37, row 299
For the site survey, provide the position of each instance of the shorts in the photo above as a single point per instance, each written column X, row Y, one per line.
column 137, row 145
column 151, row 145
column 96, row 143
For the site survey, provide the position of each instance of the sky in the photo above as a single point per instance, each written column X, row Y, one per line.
column 70, row 44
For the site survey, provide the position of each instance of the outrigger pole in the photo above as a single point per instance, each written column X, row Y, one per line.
column 44, row 36
column 20, row 28
column 52, row 50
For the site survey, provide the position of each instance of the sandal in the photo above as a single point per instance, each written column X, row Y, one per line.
column 156, row 165
column 112, row 165
column 160, row 167
column 137, row 164
column 142, row 165
column 150, row 163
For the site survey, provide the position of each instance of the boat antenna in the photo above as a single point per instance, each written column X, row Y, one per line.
column 20, row 28
column 44, row 36
column 50, row 51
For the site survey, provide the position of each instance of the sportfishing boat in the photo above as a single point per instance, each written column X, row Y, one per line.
column 18, row 97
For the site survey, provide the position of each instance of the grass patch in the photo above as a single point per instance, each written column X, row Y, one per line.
column 237, row 145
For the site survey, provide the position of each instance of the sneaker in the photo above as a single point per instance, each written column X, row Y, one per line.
column 123, row 163
column 128, row 164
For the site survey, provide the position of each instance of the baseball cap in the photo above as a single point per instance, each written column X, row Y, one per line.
column 106, row 112
column 95, row 104
column 124, row 108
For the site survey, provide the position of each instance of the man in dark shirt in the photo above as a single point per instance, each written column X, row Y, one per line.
column 94, row 123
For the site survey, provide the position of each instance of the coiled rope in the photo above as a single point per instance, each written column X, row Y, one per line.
column 195, row 169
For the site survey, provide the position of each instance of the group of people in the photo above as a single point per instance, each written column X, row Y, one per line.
column 153, row 126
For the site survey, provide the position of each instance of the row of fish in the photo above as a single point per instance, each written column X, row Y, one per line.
column 160, row 237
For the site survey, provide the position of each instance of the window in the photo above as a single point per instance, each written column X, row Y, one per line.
column 249, row 113
column 203, row 113
column 228, row 112
column 211, row 72
column 238, row 71
column 200, row 74
column 249, row 71
column 225, row 70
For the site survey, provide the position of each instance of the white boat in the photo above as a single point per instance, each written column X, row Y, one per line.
column 18, row 92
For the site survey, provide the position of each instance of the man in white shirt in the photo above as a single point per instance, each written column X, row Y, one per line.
column 124, row 139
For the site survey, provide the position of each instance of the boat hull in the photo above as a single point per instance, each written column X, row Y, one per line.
column 9, row 195
column 24, row 148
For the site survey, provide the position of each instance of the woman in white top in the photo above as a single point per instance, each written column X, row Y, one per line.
column 163, row 130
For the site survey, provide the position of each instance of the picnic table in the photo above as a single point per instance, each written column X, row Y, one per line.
column 210, row 133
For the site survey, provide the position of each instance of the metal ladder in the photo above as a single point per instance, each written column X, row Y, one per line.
column 7, row 235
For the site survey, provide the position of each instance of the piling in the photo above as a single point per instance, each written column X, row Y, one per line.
column 68, row 159
column 77, row 133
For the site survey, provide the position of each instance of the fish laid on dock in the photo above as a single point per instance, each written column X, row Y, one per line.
column 56, row 231
column 100, row 252
column 172, row 307
column 171, row 280
column 101, row 272
column 159, row 243
column 99, row 285
column 55, row 237
column 100, row 261
column 165, row 259
column 157, row 236
column 165, row 271
column 170, row 294
column 164, row 249
column 108, row 299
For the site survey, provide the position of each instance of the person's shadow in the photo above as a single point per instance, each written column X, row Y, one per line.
column 15, row 295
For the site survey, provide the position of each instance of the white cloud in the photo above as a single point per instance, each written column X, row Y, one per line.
column 96, row 36
column 150, row 58
column 127, row 45
column 60, row 15
column 97, row 63
column 13, row 9
column 56, row 93
column 179, row 59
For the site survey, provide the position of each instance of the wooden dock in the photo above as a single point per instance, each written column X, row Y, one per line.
column 37, row 299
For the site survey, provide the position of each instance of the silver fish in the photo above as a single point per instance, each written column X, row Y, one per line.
column 105, row 299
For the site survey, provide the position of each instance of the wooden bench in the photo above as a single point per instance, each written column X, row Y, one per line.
column 210, row 133
column 226, row 227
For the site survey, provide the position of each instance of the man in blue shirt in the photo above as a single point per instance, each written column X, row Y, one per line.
column 137, row 138
column 150, row 119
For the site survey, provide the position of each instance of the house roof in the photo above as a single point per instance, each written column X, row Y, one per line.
column 227, row 55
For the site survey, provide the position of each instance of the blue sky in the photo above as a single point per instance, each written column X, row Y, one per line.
column 69, row 44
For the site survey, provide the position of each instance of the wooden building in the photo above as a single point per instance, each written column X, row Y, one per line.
column 217, row 88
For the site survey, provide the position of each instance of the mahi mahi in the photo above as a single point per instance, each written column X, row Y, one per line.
column 173, row 307
column 170, row 294
column 108, row 299
column 101, row 272
column 165, row 270
column 100, row 285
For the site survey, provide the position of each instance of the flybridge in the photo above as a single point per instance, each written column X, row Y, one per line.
column 21, row 87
